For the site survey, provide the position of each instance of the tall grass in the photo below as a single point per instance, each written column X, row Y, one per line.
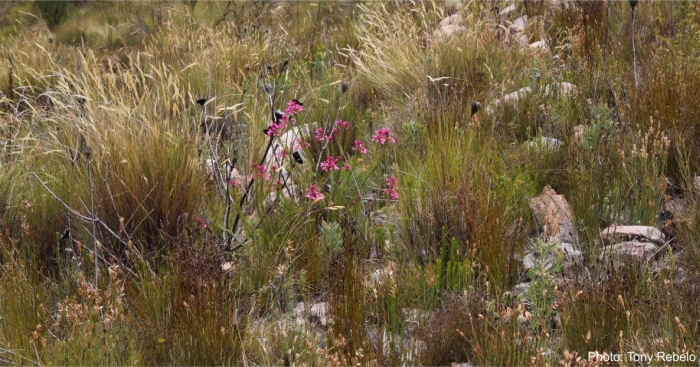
column 172, row 95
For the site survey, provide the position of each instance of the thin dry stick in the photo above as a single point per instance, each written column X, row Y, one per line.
column 268, row 90
column 633, row 3
column 80, row 216
column 88, row 155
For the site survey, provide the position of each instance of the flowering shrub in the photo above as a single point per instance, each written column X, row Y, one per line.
column 359, row 147
column 294, row 107
column 381, row 136
column 391, row 184
column 329, row 164
column 321, row 173
column 313, row 194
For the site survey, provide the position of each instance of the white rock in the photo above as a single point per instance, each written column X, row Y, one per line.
column 518, row 26
column 540, row 45
column 634, row 249
column 508, row 98
column 507, row 10
column 452, row 19
column 544, row 142
column 319, row 313
column 521, row 289
column 448, row 27
column 300, row 313
column 523, row 40
column 562, row 88
column 556, row 6
column 633, row 232
column 571, row 256
column 554, row 214
column 454, row 5
column 567, row 88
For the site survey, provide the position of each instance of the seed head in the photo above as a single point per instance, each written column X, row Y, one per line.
column 476, row 106
column 88, row 151
column 344, row 86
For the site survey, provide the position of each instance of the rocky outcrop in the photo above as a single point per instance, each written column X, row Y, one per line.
column 448, row 27
column 554, row 214
column 630, row 249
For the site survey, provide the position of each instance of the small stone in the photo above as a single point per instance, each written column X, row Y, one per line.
column 545, row 143
column 452, row 19
column 571, row 256
column 448, row 27
column 507, row 10
column 319, row 312
column 300, row 313
column 521, row 289
column 539, row 45
column 555, row 216
column 227, row 266
column 633, row 233
column 509, row 98
column 518, row 25
column 630, row 249
column 454, row 5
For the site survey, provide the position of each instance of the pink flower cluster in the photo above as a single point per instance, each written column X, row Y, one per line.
column 330, row 164
column 381, row 136
column 391, row 189
column 320, row 137
column 358, row 146
column 313, row 194
column 293, row 107
column 276, row 128
column 260, row 172
column 343, row 124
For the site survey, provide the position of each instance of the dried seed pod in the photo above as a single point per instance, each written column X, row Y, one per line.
column 88, row 151
column 476, row 106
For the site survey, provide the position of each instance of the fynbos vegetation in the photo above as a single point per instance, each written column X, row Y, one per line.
column 336, row 183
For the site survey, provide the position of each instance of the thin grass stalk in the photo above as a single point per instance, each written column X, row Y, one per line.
column 634, row 52
column 88, row 155
column 268, row 90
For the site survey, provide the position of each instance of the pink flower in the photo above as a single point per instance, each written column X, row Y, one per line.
column 343, row 124
column 294, row 107
column 313, row 194
column 346, row 167
column 391, row 191
column 359, row 146
column 329, row 164
column 283, row 154
column 319, row 134
column 277, row 128
column 201, row 222
column 381, row 136
column 261, row 173
column 234, row 183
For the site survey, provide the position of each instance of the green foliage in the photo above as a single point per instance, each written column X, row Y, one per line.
column 423, row 279
column 452, row 268
column 53, row 12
